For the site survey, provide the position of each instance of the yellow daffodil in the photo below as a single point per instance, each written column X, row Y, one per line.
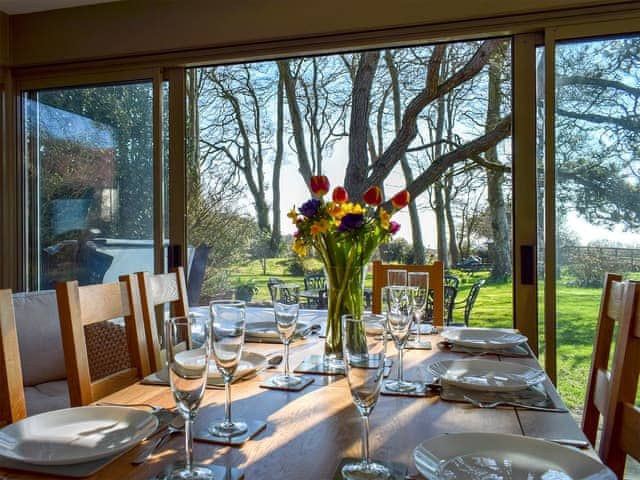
column 336, row 211
column 385, row 217
column 352, row 208
column 299, row 247
column 319, row 227
column 293, row 215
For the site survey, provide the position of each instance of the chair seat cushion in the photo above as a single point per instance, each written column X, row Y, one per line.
column 47, row 396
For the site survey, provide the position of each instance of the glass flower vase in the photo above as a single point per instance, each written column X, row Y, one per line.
column 345, row 295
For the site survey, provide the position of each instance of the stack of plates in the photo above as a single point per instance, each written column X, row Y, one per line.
column 73, row 436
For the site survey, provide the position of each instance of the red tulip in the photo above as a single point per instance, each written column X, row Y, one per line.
column 319, row 185
column 373, row 196
column 340, row 195
column 401, row 199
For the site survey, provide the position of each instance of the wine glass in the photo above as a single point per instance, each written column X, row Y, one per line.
column 188, row 343
column 396, row 277
column 399, row 302
column 286, row 305
column 228, row 318
column 420, row 280
column 364, row 351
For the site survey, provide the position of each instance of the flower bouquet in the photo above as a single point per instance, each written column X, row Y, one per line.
column 345, row 235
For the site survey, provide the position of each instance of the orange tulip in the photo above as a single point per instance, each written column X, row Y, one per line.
column 373, row 196
column 340, row 195
column 319, row 185
column 401, row 199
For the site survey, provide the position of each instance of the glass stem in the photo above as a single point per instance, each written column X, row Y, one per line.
column 401, row 365
column 188, row 444
column 365, row 439
column 227, row 402
column 286, row 358
column 416, row 320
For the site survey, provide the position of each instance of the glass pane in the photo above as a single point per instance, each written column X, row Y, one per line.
column 260, row 130
column 597, row 191
column 91, row 163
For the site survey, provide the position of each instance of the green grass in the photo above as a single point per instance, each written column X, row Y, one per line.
column 577, row 311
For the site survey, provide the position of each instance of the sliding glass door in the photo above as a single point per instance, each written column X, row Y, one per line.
column 90, row 158
column 593, row 176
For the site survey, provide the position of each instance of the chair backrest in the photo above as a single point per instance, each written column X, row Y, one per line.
column 271, row 282
column 315, row 281
column 621, row 430
column 12, row 401
column 451, row 280
column 598, row 386
column 450, row 294
column 470, row 301
column 436, row 284
column 80, row 307
column 157, row 290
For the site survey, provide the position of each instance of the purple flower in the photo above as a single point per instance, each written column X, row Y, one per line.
column 310, row 207
column 393, row 227
column 351, row 221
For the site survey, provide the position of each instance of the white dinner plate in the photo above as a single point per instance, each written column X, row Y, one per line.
column 474, row 456
column 75, row 435
column 483, row 337
column 268, row 330
column 486, row 375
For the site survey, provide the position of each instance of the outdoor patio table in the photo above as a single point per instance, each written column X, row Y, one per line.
column 310, row 431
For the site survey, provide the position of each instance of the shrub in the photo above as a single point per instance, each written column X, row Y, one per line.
column 245, row 290
column 588, row 266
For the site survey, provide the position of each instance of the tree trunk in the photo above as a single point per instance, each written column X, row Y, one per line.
column 419, row 256
column 358, row 166
column 454, row 254
column 440, row 224
column 501, row 251
column 296, row 121
column 276, row 233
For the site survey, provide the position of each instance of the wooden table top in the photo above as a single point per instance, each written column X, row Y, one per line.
column 310, row 431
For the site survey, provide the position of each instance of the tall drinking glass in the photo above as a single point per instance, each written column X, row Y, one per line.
column 188, row 343
column 396, row 277
column 399, row 302
column 286, row 305
column 364, row 368
column 420, row 280
column 228, row 318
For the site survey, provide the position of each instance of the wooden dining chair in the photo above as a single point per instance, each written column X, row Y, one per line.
column 158, row 290
column 598, row 386
column 436, row 285
column 621, row 429
column 12, row 401
column 87, row 309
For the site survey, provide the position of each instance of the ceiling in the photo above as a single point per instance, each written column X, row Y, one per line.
column 14, row 7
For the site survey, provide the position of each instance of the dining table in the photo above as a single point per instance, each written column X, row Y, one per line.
column 309, row 432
